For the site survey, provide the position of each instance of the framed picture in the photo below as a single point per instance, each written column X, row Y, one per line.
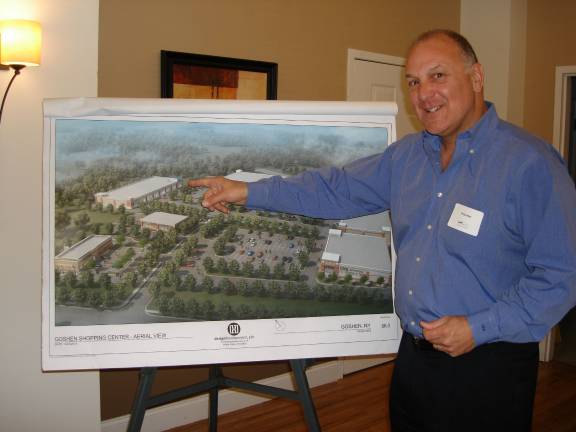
column 198, row 76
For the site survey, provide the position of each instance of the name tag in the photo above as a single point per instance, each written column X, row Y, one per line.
column 466, row 219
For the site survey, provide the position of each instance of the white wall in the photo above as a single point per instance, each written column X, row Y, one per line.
column 31, row 400
column 497, row 31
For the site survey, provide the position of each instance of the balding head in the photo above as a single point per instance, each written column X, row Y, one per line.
column 466, row 50
column 445, row 84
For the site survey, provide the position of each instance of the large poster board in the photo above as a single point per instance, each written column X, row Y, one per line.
column 136, row 273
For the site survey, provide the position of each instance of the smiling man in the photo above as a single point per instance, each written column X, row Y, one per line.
column 445, row 82
column 484, row 226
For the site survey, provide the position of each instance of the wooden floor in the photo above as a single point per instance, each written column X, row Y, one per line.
column 359, row 403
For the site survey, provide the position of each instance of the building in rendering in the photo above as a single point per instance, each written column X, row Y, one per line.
column 145, row 190
column 247, row 176
column 76, row 256
column 160, row 221
column 374, row 225
column 359, row 247
column 356, row 255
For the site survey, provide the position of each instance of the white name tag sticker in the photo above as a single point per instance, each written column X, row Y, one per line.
column 466, row 219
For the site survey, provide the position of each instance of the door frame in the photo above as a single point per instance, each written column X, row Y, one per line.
column 560, row 131
column 560, row 142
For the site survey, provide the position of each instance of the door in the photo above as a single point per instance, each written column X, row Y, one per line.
column 379, row 77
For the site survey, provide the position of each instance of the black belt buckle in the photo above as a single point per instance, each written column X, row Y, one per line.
column 421, row 343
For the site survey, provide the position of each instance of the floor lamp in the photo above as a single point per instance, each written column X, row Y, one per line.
column 20, row 42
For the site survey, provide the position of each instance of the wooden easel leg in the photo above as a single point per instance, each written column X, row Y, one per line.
column 215, row 375
column 304, row 395
column 147, row 375
column 143, row 401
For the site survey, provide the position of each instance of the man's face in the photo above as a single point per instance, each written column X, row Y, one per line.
column 444, row 90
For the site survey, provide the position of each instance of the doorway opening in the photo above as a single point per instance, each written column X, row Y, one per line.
column 565, row 349
column 572, row 128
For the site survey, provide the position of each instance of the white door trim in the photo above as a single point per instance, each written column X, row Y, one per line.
column 559, row 141
column 354, row 55
column 560, row 137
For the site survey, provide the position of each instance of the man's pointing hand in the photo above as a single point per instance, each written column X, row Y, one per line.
column 221, row 192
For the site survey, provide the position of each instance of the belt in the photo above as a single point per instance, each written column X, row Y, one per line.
column 419, row 343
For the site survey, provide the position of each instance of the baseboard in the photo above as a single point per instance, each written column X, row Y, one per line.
column 196, row 408
column 358, row 363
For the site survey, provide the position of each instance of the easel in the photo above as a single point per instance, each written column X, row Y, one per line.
column 212, row 385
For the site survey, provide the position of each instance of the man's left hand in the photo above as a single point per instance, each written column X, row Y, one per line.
column 450, row 334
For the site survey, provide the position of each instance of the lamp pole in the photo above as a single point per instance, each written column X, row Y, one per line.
column 17, row 68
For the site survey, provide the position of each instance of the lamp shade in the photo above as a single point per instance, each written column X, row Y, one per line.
column 20, row 42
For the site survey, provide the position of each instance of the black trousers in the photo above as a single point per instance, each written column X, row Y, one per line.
column 489, row 389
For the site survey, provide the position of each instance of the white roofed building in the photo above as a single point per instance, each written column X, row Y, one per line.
column 145, row 190
column 160, row 221
column 76, row 256
column 356, row 254
column 375, row 224
column 247, row 176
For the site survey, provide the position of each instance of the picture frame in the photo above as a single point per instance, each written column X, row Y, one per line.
column 200, row 76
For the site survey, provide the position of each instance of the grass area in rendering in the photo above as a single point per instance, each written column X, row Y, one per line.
column 291, row 307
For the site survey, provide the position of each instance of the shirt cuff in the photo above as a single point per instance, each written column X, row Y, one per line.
column 257, row 195
column 484, row 327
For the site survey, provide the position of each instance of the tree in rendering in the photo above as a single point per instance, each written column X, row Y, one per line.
column 303, row 257
column 104, row 281
column 178, row 306
column 80, row 296
column 293, row 272
column 86, row 279
column 278, row 271
column 220, row 246
column 61, row 219
column 264, row 270
column 192, row 308
column 234, row 267
column 247, row 269
column 225, row 311
column 64, row 295
column 70, row 280
column 207, row 284
column 244, row 311
column 190, row 282
column 207, row 309
column 221, row 266
column 95, row 299
column 154, row 289
column 208, row 264
column 82, row 220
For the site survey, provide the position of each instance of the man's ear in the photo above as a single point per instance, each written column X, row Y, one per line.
column 477, row 77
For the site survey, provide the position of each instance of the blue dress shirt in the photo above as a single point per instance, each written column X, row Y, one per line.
column 513, row 280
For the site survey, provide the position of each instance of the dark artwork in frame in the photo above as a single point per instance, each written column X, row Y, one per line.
column 199, row 76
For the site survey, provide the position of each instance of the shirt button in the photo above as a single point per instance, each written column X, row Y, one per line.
column 412, row 323
column 418, row 259
column 471, row 151
column 410, row 292
column 428, row 227
column 439, row 194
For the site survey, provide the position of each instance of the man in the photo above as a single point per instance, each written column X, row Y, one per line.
column 484, row 224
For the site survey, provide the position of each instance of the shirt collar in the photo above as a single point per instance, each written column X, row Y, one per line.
column 470, row 141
